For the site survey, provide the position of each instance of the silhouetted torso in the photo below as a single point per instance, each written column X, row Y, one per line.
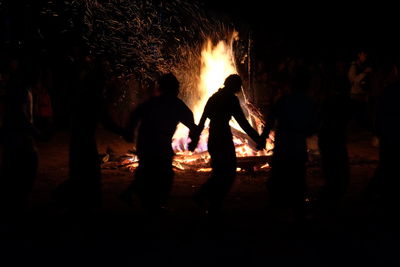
column 158, row 120
column 83, row 187
column 17, row 136
column 387, row 121
column 385, row 182
column 389, row 142
column 220, row 108
column 293, row 118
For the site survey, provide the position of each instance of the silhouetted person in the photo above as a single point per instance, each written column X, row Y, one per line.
column 385, row 184
column 83, row 187
column 359, row 76
column 292, row 117
column 332, row 141
column 19, row 155
column 157, row 119
column 220, row 108
column 42, row 106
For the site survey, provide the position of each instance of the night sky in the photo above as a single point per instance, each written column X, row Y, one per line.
column 309, row 29
column 325, row 26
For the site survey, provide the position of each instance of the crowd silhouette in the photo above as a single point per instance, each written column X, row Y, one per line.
column 293, row 113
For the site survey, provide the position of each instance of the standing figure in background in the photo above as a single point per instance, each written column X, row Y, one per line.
column 332, row 136
column 359, row 75
column 158, row 118
column 19, row 159
column 220, row 108
column 82, row 189
column 293, row 118
column 385, row 183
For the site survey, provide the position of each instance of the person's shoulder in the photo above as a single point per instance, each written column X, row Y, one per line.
column 180, row 103
column 171, row 101
column 214, row 97
column 178, row 100
column 218, row 93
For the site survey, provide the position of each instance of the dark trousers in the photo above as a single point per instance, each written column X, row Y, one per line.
column 215, row 189
column 18, row 171
column 153, row 181
column 287, row 183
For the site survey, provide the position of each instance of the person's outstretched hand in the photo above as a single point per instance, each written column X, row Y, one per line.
column 194, row 136
column 193, row 144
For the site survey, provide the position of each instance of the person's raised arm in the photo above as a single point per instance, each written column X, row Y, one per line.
column 195, row 134
column 186, row 117
column 269, row 125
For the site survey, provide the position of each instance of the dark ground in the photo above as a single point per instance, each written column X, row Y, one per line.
column 250, row 233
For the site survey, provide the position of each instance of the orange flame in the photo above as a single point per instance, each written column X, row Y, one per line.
column 217, row 63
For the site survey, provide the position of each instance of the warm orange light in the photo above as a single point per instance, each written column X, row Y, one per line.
column 217, row 63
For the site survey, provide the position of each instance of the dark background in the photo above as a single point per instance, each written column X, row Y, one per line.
column 117, row 234
column 320, row 29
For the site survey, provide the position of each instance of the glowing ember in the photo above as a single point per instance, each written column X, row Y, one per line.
column 266, row 165
column 210, row 169
column 204, row 170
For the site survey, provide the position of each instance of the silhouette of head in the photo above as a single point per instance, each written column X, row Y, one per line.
column 299, row 81
column 362, row 56
column 168, row 84
column 233, row 83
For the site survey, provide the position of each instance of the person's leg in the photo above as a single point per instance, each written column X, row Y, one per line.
column 298, row 180
column 215, row 189
column 136, row 185
column 166, row 178
column 154, row 184
column 286, row 186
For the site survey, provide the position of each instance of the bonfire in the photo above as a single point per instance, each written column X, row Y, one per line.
column 141, row 39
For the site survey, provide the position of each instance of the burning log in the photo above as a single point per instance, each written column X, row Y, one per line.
column 244, row 138
column 185, row 157
column 252, row 164
column 255, row 113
